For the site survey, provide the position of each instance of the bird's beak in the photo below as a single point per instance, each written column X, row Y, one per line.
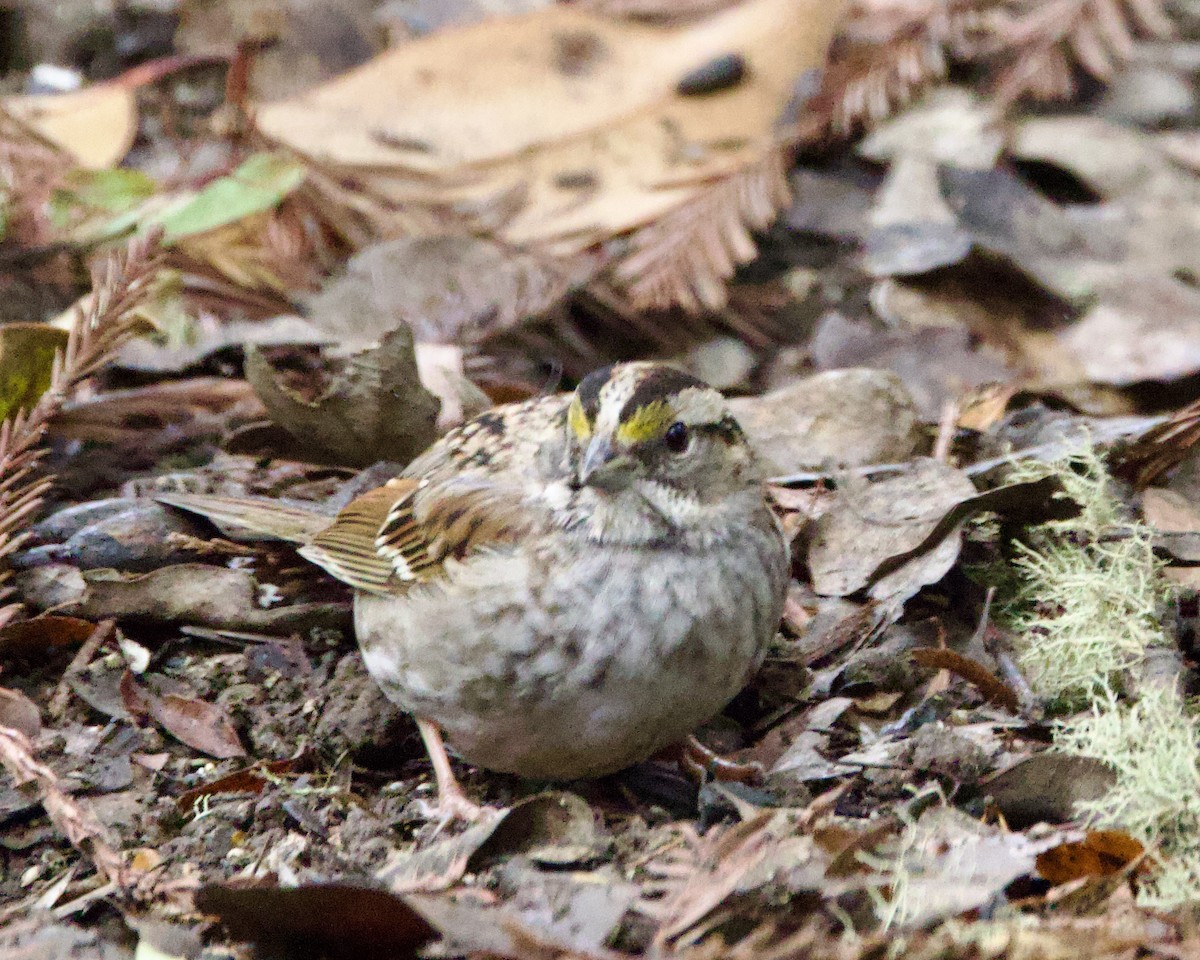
column 604, row 467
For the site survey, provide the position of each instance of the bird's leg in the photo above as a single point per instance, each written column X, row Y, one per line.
column 452, row 802
column 697, row 759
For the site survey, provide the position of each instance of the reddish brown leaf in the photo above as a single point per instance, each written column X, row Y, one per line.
column 975, row 673
column 336, row 920
column 201, row 725
column 135, row 697
column 41, row 634
column 247, row 780
column 1101, row 853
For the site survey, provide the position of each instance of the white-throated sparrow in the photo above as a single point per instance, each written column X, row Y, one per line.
column 563, row 586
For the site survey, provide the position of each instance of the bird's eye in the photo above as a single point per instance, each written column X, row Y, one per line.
column 676, row 438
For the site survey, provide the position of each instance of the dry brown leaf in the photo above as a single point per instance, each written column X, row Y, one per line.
column 873, row 522
column 553, row 829
column 1047, row 786
column 201, row 725
column 950, row 863
column 331, row 919
column 96, row 125
column 43, row 635
column 376, row 405
column 252, row 780
column 1177, row 523
column 20, row 713
column 449, row 289
column 190, row 593
column 839, row 418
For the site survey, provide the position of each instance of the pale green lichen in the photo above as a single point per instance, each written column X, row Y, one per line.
column 1152, row 746
column 1090, row 595
column 1087, row 610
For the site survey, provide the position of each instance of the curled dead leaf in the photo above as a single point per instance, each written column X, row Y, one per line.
column 376, row 408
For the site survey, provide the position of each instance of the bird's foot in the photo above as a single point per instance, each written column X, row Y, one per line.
column 454, row 807
column 452, row 803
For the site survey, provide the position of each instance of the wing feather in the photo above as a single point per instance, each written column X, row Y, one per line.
column 347, row 547
column 406, row 531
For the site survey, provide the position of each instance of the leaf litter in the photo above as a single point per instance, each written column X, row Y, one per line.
column 971, row 329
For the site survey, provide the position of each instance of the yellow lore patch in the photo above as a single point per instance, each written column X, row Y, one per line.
column 578, row 420
column 647, row 423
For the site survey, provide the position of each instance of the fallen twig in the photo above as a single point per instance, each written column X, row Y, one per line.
column 73, row 818
column 62, row 693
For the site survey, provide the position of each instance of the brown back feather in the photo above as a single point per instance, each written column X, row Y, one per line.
column 406, row 531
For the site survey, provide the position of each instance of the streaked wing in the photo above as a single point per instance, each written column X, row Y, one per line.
column 462, row 495
column 347, row 547
column 407, row 530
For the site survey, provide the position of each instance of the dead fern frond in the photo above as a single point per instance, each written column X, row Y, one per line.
column 1036, row 44
column 889, row 51
column 866, row 84
column 685, row 257
column 886, row 54
column 99, row 330
column 73, row 817
column 695, row 877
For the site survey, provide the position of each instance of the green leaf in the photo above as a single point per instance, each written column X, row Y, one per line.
column 113, row 191
column 26, row 360
column 98, row 204
column 257, row 185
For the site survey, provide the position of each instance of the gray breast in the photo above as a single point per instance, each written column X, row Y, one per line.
column 575, row 663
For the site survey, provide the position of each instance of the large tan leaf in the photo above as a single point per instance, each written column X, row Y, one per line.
column 96, row 125
column 510, row 85
column 563, row 129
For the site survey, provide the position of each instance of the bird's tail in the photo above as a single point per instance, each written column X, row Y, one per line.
column 236, row 515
